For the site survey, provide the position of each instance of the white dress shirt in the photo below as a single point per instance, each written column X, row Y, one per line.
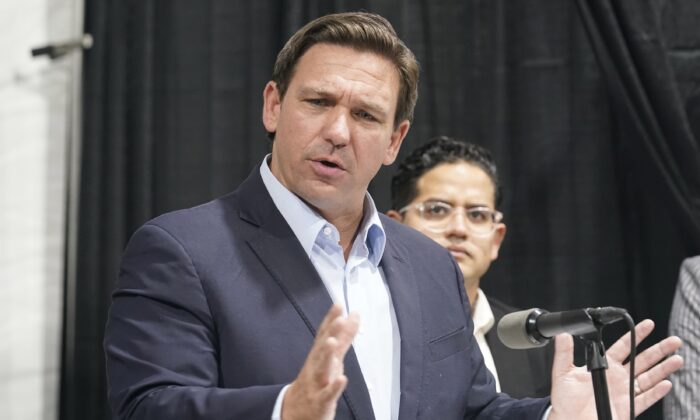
column 357, row 284
column 483, row 322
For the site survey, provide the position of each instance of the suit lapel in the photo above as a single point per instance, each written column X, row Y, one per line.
column 283, row 256
column 404, row 295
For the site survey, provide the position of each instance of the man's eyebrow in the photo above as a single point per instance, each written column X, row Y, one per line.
column 451, row 203
column 305, row 91
column 372, row 108
column 435, row 199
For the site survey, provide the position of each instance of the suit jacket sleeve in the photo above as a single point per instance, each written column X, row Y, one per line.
column 683, row 402
column 161, row 342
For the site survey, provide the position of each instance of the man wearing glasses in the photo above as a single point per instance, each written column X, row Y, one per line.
column 449, row 190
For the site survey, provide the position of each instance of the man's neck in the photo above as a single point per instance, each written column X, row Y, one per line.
column 472, row 293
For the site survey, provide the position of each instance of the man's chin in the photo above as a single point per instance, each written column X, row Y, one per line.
column 329, row 200
column 470, row 275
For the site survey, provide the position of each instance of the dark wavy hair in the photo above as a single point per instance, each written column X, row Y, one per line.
column 437, row 151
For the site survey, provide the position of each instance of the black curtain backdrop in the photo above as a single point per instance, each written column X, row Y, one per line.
column 591, row 107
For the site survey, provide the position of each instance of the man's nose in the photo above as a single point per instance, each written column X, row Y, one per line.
column 457, row 223
column 337, row 130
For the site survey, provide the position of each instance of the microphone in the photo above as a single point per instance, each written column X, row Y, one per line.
column 535, row 327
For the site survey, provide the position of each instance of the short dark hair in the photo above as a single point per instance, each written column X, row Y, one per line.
column 363, row 32
column 437, row 151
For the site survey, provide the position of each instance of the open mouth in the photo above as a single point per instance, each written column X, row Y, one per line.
column 329, row 164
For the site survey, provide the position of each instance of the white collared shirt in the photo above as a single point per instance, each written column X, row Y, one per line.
column 483, row 322
column 357, row 285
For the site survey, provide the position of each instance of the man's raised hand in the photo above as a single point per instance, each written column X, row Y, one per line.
column 315, row 391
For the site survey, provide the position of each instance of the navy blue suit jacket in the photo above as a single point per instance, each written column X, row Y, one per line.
column 217, row 306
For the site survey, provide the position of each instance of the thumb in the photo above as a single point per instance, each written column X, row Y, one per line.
column 563, row 355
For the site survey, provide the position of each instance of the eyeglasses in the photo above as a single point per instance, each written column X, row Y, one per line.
column 436, row 216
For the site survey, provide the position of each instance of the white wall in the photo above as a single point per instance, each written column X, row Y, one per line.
column 33, row 137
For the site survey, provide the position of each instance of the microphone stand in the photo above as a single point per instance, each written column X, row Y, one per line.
column 597, row 364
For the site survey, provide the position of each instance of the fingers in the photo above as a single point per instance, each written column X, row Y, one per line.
column 335, row 325
column 323, row 364
column 655, row 354
column 333, row 340
column 335, row 389
column 652, row 366
column 620, row 350
column 336, row 381
column 315, row 391
column 659, row 373
column 324, row 330
column 649, row 397
column 563, row 355
column 347, row 330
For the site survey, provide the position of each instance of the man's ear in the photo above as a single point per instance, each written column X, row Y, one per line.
column 395, row 215
column 498, row 235
column 397, row 137
column 271, row 106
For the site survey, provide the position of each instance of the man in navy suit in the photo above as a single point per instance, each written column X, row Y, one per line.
column 221, row 311
column 449, row 190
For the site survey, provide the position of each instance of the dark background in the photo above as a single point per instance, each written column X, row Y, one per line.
column 592, row 110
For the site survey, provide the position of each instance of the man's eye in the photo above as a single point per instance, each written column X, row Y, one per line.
column 365, row 116
column 437, row 209
column 479, row 216
column 317, row 102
